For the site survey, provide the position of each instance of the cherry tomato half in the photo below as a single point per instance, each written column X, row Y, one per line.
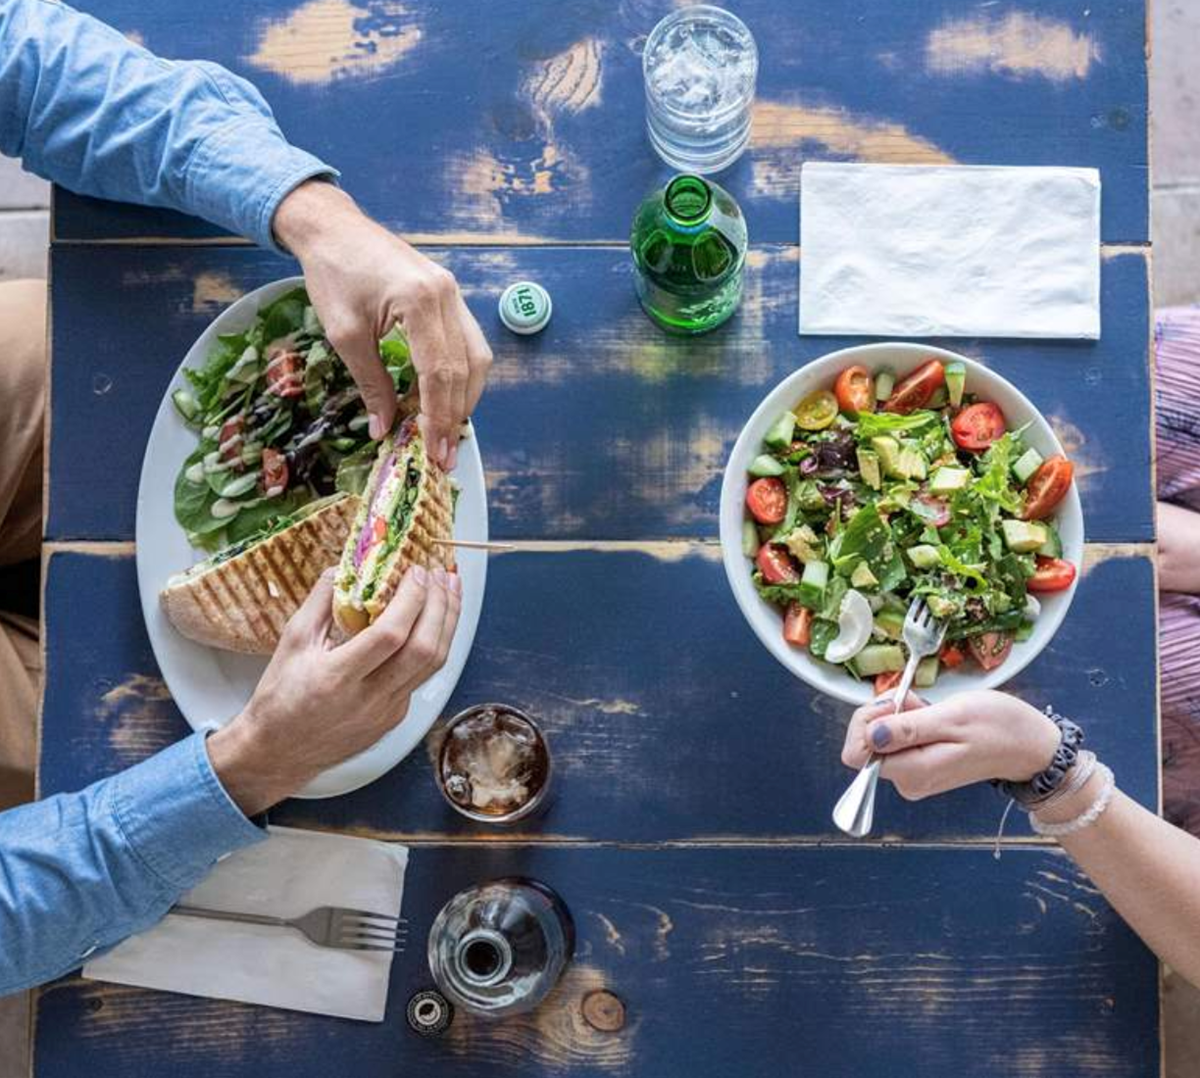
column 990, row 649
column 886, row 681
column 817, row 410
column 767, row 500
column 1051, row 574
column 797, row 625
column 952, row 656
column 977, row 426
column 230, row 439
column 854, row 390
column 284, row 377
column 914, row 392
column 776, row 565
column 1047, row 487
column 935, row 511
column 275, row 470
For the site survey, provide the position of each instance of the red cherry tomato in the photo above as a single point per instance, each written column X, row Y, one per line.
column 978, row 425
column 886, row 681
column 284, row 377
column 952, row 656
column 990, row 649
column 767, row 500
column 776, row 565
column 1047, row 487
column 1051, row 574
column 797, row 625
column 275, row 470
column 230, row 439
column 854, row 390
column 914, row 392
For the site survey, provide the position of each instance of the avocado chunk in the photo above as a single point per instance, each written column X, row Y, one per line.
column 862, row 577
column 947, row 480
column 956, row 382
column 812, row 584
column 879, row 659
column 868, row 465
column 927, row 672
column 888, row 450
column 889, row 622
column 924, row 556
column 803, row 544
column 912, row 463
column 1026, row 464
column 1023, row 537
column 780, row 432
column 941, row 606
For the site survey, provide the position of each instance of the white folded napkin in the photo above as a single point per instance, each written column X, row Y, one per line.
column 286, row 876
column 949, row 251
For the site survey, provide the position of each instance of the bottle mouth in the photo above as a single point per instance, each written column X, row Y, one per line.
column 483, row 957
column 688, row 199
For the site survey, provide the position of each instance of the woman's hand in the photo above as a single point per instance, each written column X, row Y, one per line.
column 931, row 748
column 319, row 704
column 1178, row 549
column 363, row 280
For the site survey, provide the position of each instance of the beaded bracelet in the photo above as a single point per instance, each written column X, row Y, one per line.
column 1077, row 777
column 1086, row 818
column 1039, row 788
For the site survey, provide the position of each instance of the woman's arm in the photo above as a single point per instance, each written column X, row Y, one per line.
column 1148, row 870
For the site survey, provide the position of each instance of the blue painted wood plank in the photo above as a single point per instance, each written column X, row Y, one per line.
column 668, row 720
column 749, row 962
column 599, row 427
column 464, row 120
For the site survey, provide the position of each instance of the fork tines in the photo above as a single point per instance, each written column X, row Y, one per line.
column 363, row 931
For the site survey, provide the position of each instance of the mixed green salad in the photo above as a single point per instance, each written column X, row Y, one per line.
column 873, row 492
column 280, row 421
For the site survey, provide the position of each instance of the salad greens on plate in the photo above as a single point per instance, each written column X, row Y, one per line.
column 872, row 493
column 280, row 421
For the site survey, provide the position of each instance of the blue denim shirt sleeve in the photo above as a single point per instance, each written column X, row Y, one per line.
column 80, row 872
column 91, row 110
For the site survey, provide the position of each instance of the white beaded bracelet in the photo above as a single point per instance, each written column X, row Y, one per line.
column 1086, row 818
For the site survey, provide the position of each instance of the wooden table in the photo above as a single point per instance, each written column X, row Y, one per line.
column 690, row 834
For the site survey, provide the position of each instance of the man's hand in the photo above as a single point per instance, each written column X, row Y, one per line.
column 363, row 281
column 971, row 737
column 319, row 704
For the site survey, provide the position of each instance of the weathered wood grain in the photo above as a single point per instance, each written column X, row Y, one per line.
column 757, row 963
column 601, row 427
column 468, row 123
column 669, row 722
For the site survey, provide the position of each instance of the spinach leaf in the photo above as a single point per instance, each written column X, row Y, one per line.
column 823, row 634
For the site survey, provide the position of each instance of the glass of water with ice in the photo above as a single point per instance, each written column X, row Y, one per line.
column 700, row 64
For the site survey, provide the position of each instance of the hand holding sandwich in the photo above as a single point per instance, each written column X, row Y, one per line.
column 319, row 703
column 364, row 280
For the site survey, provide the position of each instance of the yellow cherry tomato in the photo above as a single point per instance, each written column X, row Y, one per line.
column 817, row 410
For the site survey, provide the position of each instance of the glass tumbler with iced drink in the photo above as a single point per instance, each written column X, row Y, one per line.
column 494, row 765
column 700, row 65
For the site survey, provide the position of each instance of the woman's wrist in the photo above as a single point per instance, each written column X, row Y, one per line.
column 1074, row 804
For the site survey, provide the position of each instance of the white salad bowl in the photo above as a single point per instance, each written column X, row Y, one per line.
column 767, row 620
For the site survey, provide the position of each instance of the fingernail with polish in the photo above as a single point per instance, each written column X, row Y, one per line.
column 420, row 575
column 452, row 460
column 375, row 427
column 881, row 735
column 456, row 583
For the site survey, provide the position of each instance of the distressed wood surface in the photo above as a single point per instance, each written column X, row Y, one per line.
column 754, row 963
column 651, row 687
column 470, row 122
column 600, row 427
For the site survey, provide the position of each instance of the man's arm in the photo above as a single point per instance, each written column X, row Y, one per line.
column 80, row 872
column 91, row 110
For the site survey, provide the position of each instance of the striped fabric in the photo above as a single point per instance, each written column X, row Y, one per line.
column 1177, row 396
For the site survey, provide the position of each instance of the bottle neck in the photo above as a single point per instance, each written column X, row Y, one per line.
column 688, row 203
column 483, row 957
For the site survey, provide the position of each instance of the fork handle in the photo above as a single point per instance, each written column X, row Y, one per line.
column 226, row 915
column 906, row 680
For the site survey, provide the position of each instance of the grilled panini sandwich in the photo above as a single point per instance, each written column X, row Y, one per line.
column 407, row 505
column 241, row 598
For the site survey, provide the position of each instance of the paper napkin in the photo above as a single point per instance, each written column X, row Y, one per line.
column 289, row 874
column 949, row 251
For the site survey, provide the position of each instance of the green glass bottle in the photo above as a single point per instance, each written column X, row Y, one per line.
column 689, row 247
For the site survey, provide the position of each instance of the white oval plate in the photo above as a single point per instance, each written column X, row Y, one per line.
column 211, row 686
column 767, row 621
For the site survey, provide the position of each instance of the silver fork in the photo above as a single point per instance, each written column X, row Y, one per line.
column 855, row 811
column 327, row 926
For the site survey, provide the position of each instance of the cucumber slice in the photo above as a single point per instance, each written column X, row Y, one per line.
column 186, row 405
column 1026, row 464
column 924, row 556
column 937, row 399
column 750, row 543
column 879, row 659
column 956, row 382
column 765, row 465
column 781, row 431
column 1052, row 547
column 885, row 382
column 927, row 673
column 812, row 583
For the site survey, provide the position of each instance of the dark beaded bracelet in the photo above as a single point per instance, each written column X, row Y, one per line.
column 1042, row 785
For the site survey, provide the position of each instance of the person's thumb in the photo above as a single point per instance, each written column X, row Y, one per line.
column 360, row 353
